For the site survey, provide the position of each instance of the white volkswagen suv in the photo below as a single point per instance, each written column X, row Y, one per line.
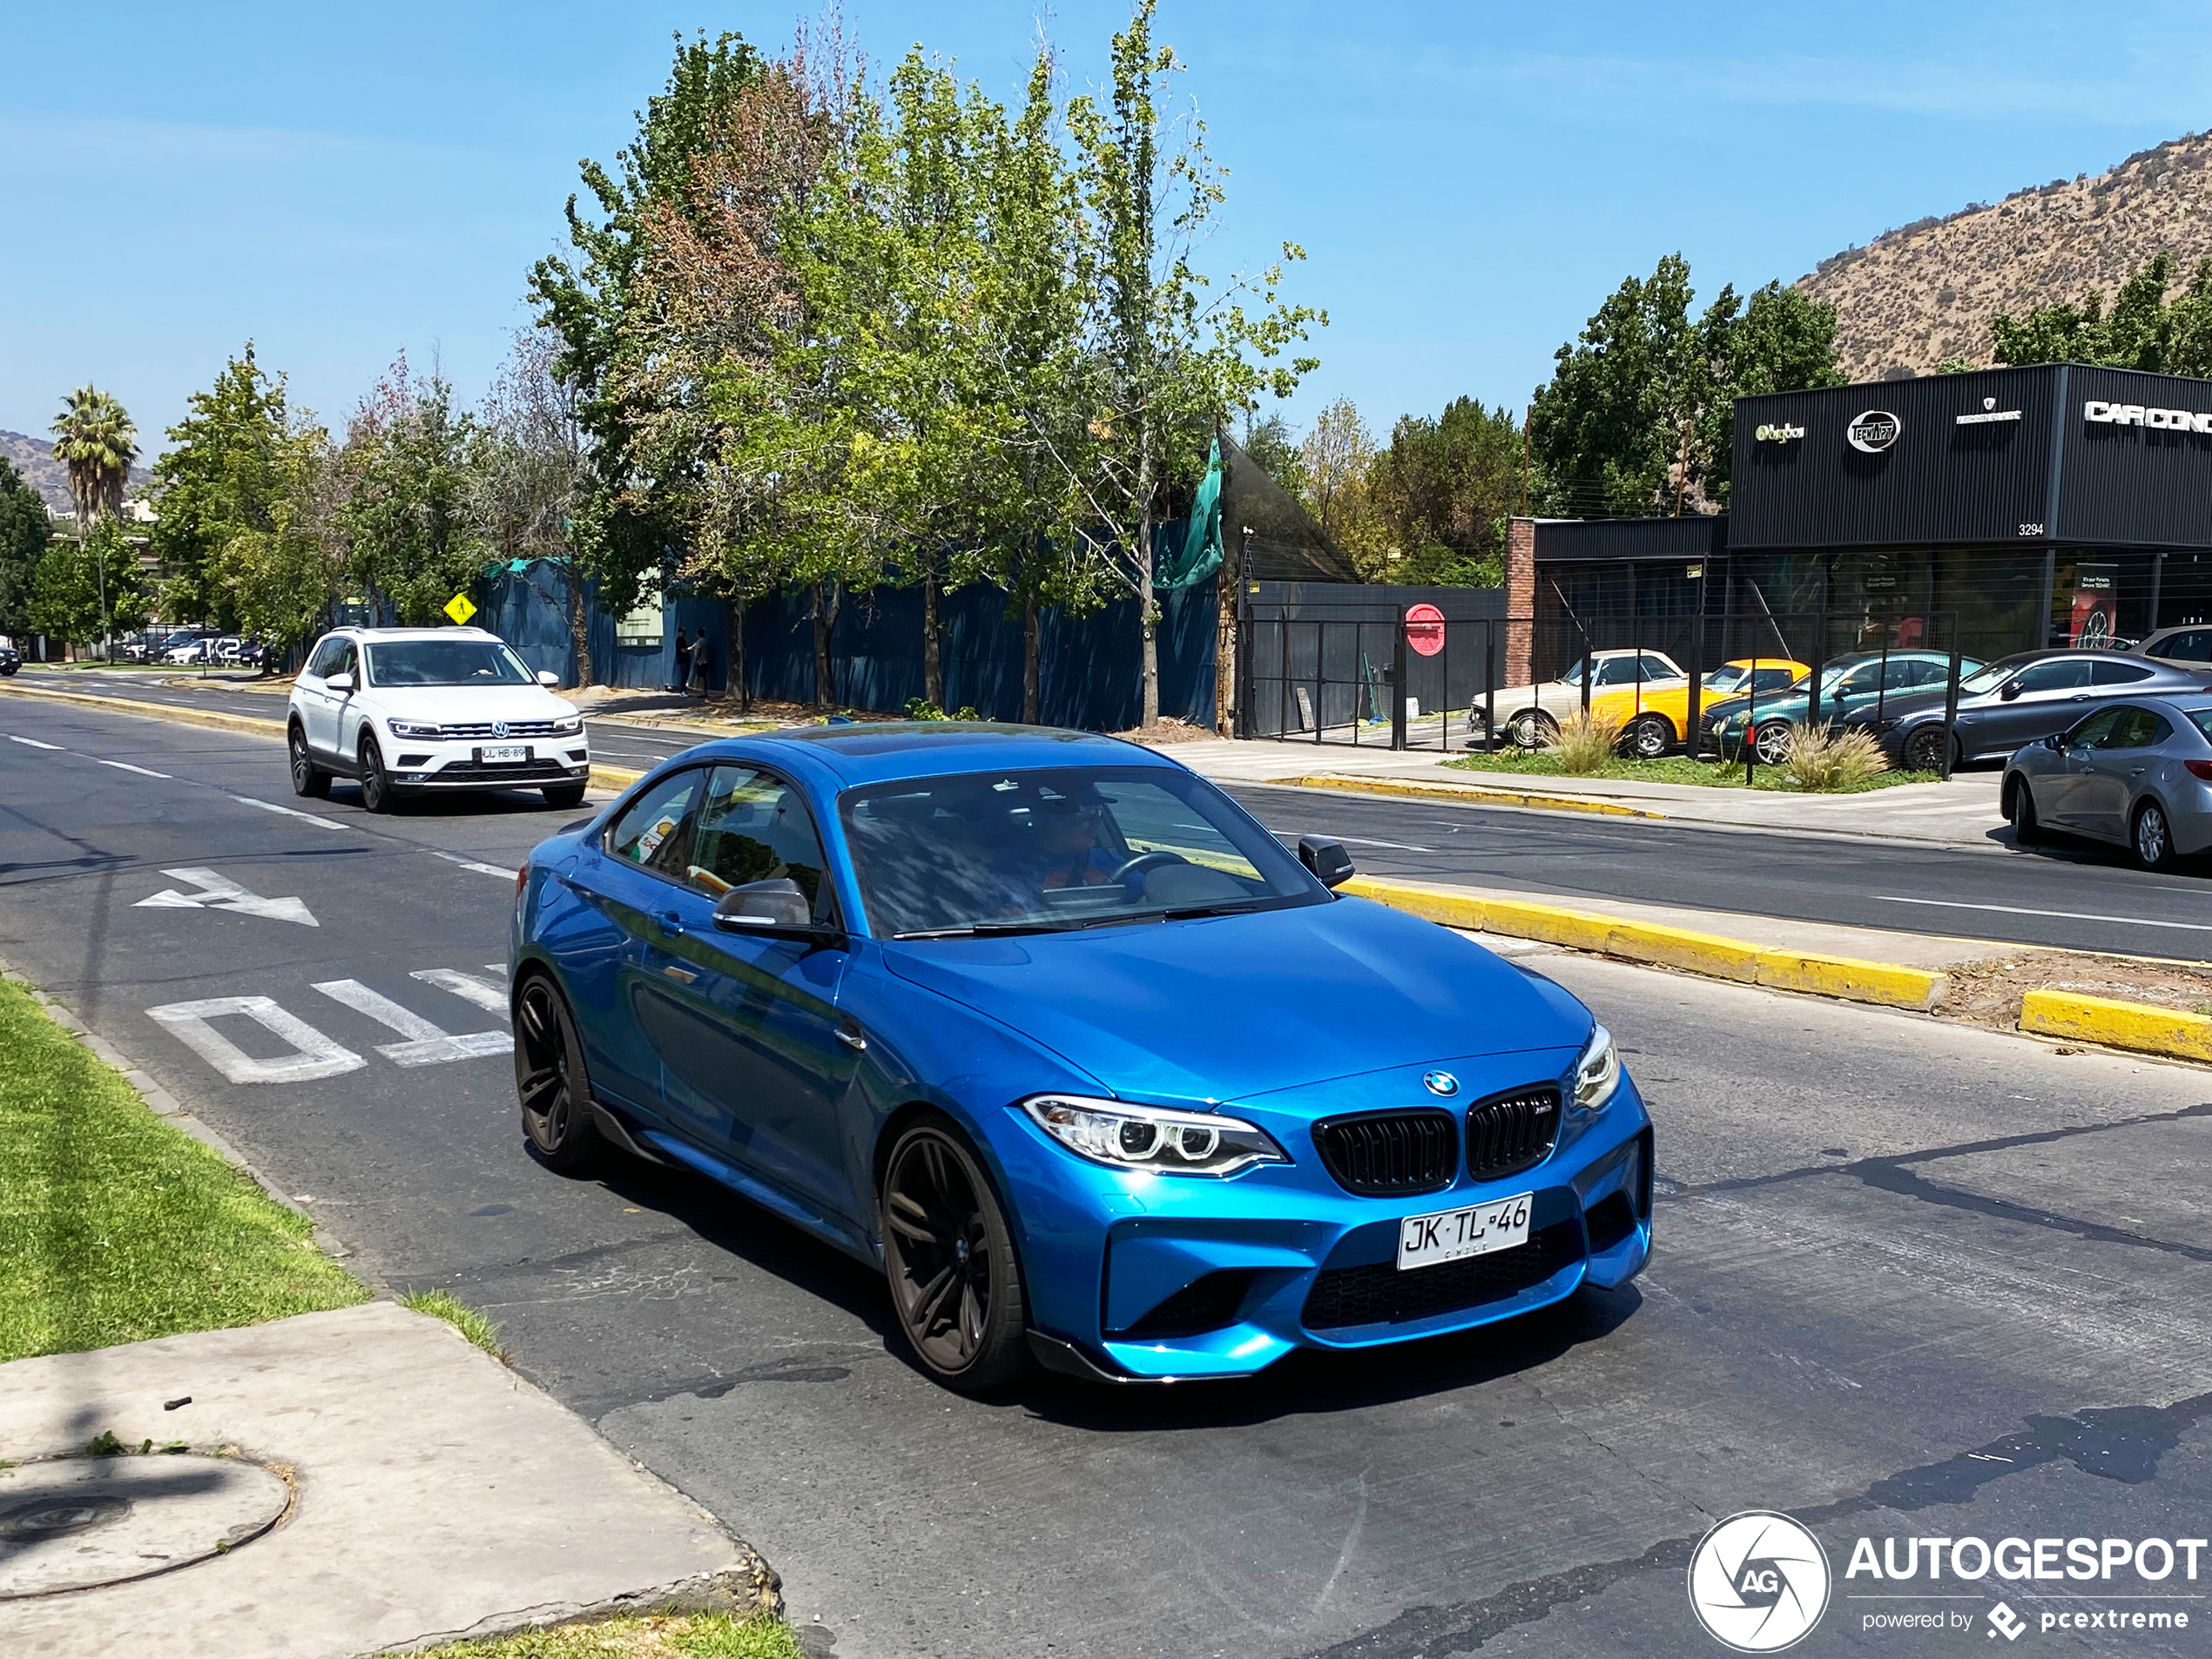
column 411, row 709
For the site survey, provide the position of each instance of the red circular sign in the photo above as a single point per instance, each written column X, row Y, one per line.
column 1424, row 629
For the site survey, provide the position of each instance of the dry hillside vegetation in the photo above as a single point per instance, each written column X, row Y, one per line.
column 1916, row 296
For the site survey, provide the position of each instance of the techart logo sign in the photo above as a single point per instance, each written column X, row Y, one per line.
column 1758, row 1583
column 1873, row 432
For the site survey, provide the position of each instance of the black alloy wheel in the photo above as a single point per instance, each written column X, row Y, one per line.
column 1647, row 738
column 949, row 1255
column 2153, row 840
column 550, row 1080
column 376, row 783
column 1924, row 750
column 307, row 779
column 563, row 795
column 1772, row 743
column 2020, row 807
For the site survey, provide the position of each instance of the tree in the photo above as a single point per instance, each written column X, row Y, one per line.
column 94, row 438
column 404, row 479
column 1272, row 447
column 2142, row 330
column 280, row 575
column 1337, row 457
column 24, row 531
column 227, row 473
column 86, row 586
column 1442, row 492
column 1782, row 341
column 532, row 475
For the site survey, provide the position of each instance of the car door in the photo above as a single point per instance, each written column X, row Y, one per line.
column 318, row 703
column 631, row 882
column 755, row 1055
column 2112, row 770
column 2056, row 779
column 2050, row 695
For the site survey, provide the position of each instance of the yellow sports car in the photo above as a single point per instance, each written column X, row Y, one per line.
column 1656, row 719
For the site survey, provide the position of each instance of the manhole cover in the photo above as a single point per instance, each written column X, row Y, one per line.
column 72, row 1523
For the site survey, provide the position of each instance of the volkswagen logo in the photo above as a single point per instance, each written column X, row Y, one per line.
column 1873, row 432
column 1441, row 1083
column 1758, row 1583
column 499, row 728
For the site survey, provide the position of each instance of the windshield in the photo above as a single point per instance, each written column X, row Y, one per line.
column 444, row 661
column 1037, row 852
column 1728, row 678
column 1989, row 678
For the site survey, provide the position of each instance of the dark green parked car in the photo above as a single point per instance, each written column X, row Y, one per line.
column 1849, row 684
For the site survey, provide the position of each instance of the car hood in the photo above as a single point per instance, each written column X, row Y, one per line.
column 1228, row 1008
column 455, row 704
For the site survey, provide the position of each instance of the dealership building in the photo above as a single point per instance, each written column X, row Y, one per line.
column 1991, row 512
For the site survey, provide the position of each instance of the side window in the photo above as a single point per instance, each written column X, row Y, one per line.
column 1860, row 682
column 756, row 828
column 2094, row 733
column 2137, row 729
column 1658, row 668
column 346, row 663
column 1773, row 679
column 1617, row 671
column 2055, row 674
column 321, row 664
column 656, row 830
column 2194, row 646
column 2111, row 673
column 1921, row 672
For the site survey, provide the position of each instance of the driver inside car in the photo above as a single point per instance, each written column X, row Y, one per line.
column 1067, row 843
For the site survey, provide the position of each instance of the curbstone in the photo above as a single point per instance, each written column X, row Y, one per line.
column 2117, row 1025
column 1887, row 984
column 1480, row 796
column 246, row 723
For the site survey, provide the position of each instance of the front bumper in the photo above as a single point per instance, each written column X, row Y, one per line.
column 1166, row 1277
column 414, row 763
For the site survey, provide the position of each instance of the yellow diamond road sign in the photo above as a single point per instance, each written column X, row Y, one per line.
column 459, row 610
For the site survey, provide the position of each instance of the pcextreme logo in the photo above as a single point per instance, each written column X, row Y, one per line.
column 1758, row 1582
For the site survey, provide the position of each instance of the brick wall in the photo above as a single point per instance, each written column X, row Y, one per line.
column 1520, row 600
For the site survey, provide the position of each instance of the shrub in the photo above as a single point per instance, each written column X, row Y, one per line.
column 1820, row 760
column 920, row 708
column 1588, row 739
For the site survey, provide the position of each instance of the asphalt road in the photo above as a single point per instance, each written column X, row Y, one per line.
column 1912, row 1279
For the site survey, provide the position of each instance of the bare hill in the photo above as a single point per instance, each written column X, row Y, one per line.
column 33, row 459
column 1915, row 296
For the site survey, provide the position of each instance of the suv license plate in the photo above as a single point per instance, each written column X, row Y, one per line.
column 1423, row 1241
column 506, row 755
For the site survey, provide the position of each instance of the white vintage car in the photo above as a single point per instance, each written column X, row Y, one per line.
column 1529, row 715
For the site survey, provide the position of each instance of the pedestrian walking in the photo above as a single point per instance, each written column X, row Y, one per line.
column 682, row 662
column 702, row 662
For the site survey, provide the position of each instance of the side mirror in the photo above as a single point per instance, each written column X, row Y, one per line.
column 1331, row 864
column 2010, row 691
column 342, row 683
column 2055, row 743
column 774, row 909
column 546, row 677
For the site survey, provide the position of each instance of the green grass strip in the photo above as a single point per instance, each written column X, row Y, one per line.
column 686, row 1636
column 473, row 1324
column 116, row 1226
column 1671, row 769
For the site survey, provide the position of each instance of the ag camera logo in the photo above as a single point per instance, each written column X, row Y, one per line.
column 1758, row 1582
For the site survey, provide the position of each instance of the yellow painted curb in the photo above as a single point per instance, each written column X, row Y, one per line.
column 2117, row 1025
column 1478, row 796
column 615, row 778
column 1887, row 984
column 215, row 717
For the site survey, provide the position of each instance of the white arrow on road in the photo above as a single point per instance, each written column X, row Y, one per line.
column 221, row 893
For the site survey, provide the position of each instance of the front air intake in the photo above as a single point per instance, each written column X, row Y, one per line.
column 1389, row 1155
column 1509, row 1133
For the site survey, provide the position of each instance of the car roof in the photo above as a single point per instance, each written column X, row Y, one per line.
column 375, row 634
column 891, row 750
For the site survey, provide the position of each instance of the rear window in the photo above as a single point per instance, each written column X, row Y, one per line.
column 2201, row 719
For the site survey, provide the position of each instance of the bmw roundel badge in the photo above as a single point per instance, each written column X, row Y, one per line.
column 1441, row 1083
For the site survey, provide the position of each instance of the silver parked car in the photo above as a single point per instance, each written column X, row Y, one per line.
column 2138, row 773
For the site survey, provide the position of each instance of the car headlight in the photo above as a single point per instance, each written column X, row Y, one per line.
column 1129, row 1136
column 416, row 729
column 569, row 727
column 1598, row 1074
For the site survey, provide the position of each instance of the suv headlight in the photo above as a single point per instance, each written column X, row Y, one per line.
column 1127, row 1136
column 568, row 727
column 1598, row 1074
column 420, row 730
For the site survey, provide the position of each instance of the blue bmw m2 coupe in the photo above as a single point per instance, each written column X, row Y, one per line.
column 1048, row 1028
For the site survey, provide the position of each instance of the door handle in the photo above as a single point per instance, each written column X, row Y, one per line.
column 670, row 922
column 2138, row 771
column 849, row 1034
column 2079, row 697
column 681, row 975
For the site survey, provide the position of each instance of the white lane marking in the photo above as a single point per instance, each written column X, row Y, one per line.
column 2064, row 915
column 471, row 863
column 289, row 812
column 1402, row 846
column 33, row 743
column 219, row 892
column 483, row 993
column 427, row 1044
column 1980, row 809
column 125, row 765
column 313, row 1054
column 499, row 969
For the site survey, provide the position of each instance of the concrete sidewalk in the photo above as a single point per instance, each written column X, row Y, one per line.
column 1962, row 813
column 354, row 1481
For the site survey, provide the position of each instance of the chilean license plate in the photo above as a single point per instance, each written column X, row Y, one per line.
column 1423, row 1241
column 505, row 754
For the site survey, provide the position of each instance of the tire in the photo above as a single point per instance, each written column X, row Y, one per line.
column 2152, row 839
column 948, row 1257
column 2020, row 807
column 376, row 783
column 307, row 779
column 551, row 1085
column 1647, row 738
column 563, row 795
column 1772, row 743
column 1532, row 729
column 1925, row 750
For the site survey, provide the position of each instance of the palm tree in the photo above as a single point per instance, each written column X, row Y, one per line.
column 94, row 438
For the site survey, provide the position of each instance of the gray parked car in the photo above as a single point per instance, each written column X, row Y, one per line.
column 2138, row 773
column 2019, row 699
column 2188, row 646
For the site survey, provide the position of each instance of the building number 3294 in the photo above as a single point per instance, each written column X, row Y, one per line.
column 2031, row 530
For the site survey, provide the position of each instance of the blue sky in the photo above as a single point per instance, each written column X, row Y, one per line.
column 1469, row 179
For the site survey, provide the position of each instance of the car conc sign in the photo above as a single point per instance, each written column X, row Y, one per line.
column 1873, row 432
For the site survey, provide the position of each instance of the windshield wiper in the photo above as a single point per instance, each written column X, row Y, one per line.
column 988, row 930
column 1119, row 918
